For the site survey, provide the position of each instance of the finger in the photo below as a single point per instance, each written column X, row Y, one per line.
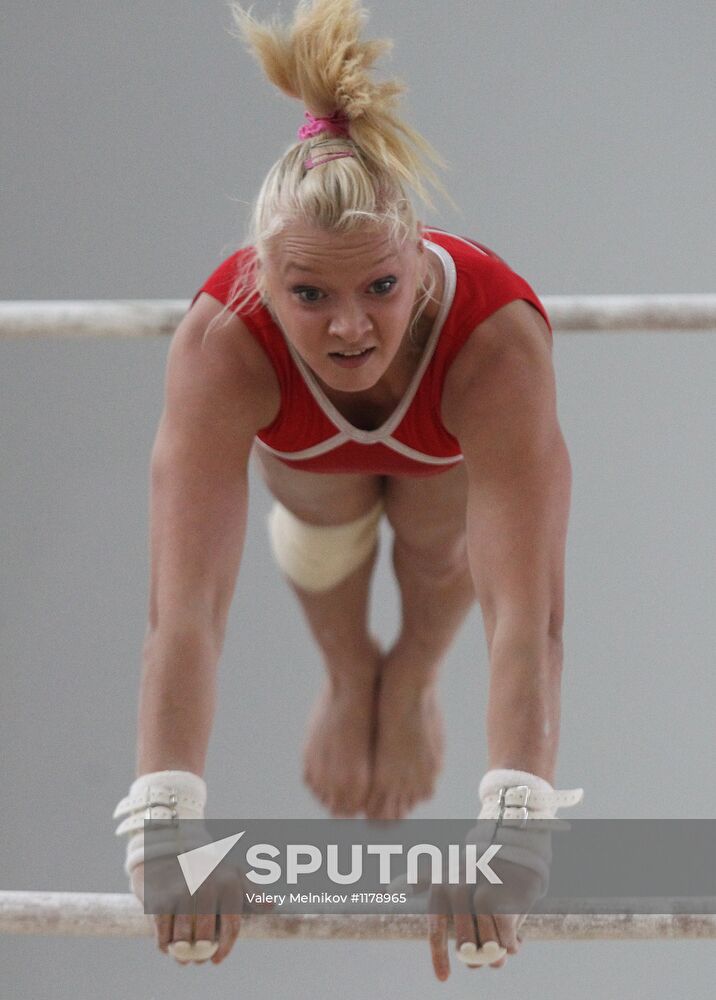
column 231, row 906
column 183, row 936
column 438, row 939
column 507, row 925
column 194, row 933
column 163, row 930
column 204, row 935
column 491, row 949
column 229, row 927
column 493, row 953
column 466, row 939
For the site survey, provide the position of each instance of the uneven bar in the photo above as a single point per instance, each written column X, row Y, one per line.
column 100, row 914
column 160, row 317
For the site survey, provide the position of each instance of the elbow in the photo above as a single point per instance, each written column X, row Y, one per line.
column 530, row 638
column 194, row 618
column 521, row 634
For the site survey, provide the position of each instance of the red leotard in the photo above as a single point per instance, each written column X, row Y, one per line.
column 309, row 433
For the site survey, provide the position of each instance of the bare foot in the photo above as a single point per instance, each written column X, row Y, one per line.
column 338, row 754
column 409, row 738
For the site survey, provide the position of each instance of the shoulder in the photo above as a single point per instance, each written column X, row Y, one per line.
column 213, row 351
column 505, row 359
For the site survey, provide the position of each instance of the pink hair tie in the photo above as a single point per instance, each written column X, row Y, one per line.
column 309, row 164
column 337, row 124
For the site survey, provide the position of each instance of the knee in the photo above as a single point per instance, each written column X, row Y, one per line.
column 443, row 562
column 317, row 557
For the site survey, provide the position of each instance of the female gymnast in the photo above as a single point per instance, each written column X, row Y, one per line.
column 376, row 368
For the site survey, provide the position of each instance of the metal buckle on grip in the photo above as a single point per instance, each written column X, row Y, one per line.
column 525, row 791
column 149, row 803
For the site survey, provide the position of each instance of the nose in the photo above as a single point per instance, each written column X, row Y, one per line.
column 351, row 325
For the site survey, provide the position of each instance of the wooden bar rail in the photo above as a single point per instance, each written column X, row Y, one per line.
column 101, row 914
column 159, row 317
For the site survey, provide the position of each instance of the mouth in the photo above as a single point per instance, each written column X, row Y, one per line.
column 351, row 359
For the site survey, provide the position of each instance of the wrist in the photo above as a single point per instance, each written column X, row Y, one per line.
column 161, row 796
column 510, row 794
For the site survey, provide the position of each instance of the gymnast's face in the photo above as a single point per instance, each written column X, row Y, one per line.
column 345, row 302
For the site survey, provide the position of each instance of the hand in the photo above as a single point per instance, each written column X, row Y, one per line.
column 211, row 932
column 486, row 919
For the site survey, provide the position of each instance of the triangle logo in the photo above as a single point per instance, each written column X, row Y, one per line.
column 198, row 864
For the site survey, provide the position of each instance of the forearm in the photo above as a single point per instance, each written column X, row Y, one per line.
column 523, row 710
column 177, row 699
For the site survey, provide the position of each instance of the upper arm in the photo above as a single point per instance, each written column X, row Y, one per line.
column 213, row 405
column 503, row 410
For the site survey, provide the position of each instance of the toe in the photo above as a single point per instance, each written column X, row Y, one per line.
column 374, row 804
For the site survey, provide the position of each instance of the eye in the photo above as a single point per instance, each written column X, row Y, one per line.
column 300, row 290
column 387, row 281
column 305, row 291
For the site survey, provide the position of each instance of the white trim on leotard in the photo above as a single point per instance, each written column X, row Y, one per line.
column 383, row 434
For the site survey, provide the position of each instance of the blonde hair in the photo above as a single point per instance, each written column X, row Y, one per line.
column 320, row 60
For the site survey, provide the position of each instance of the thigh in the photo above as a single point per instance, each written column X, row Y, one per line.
column 319, row 498
column 428, row 513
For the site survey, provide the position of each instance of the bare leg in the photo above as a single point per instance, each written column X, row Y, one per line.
column 338, row 754
column 375, row 739
column 431, row 568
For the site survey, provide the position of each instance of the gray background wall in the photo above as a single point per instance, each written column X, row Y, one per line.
column 134, row 135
